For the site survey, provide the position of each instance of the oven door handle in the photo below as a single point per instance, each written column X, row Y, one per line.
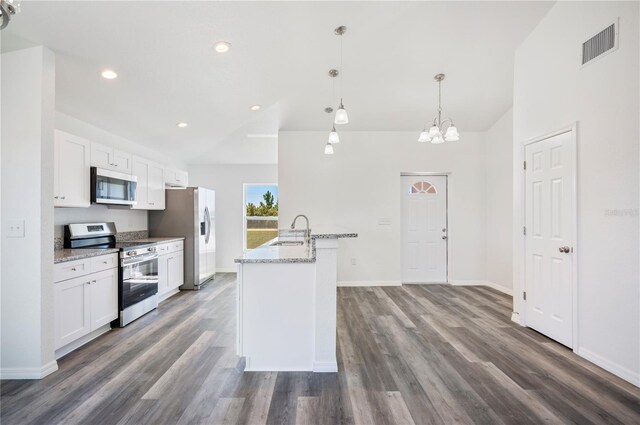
column 139, row 259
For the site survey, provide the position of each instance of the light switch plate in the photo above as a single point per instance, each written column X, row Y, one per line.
column 15, row 229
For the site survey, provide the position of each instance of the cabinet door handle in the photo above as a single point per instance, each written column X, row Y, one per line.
column 56, row 197
column 73, row 269
column 63, row 197
column 151, row 203
column 105, row 262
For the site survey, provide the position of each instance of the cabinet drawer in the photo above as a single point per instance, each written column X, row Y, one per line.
column 176, row 246
column 104, row 262
column 163, row 249
column 71, row 269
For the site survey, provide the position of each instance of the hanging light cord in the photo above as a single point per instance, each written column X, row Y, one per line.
column 341, row 69
column 439, row 103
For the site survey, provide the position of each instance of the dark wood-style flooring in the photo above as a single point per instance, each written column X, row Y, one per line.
column 419, row 354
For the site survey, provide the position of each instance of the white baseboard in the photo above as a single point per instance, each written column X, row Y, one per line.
column 29, row 373
column 608, row 365
column 325, row 367
column 226, row 270
column 355, row 283
column 63, row 351
column 500, row 288
column 493, row 285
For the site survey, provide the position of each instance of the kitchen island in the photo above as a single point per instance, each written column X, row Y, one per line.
column 287, row 303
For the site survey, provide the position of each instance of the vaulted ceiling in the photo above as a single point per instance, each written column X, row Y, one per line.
column 280, row 55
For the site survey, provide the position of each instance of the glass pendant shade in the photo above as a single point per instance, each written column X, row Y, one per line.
column 434, row 131
column 437, row 140
column 333, row 136
column 328, row 149
column 341, row 115
column 452, row 134
column 424, row 137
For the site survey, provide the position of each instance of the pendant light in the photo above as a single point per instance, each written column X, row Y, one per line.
column 8, row 8
column 435, row 133
column 333, row 136
column 341, row 114
column 328, row 149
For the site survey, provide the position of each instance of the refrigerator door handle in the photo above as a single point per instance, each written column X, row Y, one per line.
column 207, row 222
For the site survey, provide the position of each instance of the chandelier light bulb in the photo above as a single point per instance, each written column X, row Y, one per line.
column 437, row 140
column 434, row 131
column 341, row 115
column 424, row 136
column 328, row 149
column 452, row 134
column 333, row 136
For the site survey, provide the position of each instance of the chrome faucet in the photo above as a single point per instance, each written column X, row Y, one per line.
column 308, row 232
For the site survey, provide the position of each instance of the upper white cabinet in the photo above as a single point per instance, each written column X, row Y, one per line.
column 110, row 159
column 71, row 171
column 150, row 189
column 176, row 178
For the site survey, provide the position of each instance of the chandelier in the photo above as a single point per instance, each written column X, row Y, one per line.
column 8, row 8
column 440, row 131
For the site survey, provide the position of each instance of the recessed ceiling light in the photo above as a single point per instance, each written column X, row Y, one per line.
column 182, row 124
column 109, row 74
column 256, row 107
column 222, row 46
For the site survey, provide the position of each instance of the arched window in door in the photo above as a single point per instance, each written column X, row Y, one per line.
column 423, row 187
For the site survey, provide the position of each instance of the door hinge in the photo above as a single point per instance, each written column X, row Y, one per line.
column 524, row 230
column 524, row 295
column 524, row 165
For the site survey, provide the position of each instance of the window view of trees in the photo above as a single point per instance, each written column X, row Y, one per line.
column 261, row 214
column 267, row 208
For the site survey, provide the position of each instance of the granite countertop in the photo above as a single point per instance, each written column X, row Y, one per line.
column 266, row 253
column 64, row 255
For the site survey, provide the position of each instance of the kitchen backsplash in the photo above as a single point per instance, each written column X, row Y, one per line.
column 58, row 242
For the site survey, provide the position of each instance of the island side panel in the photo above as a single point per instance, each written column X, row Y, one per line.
column 276, row 308
column 326, row 305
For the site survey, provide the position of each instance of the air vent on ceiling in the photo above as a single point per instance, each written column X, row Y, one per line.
column 603, row 42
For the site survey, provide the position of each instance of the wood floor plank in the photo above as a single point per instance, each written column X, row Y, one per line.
column 415, row 354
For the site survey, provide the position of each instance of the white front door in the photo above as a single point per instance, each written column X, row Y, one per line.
column 549, row 237
column 424, row 229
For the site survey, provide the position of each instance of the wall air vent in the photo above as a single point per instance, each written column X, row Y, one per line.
column 606, row 41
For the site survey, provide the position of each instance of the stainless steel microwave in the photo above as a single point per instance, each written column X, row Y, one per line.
column 112, row 188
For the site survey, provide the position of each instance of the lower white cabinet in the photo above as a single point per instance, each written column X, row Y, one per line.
column 85, row 303
column 170, row 269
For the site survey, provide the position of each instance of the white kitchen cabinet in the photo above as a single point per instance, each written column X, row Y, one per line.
column 150, row 189
column 175, row 178
column 72, row 310
column 110, row 159
column 103, row 294
column 170, row 269
column 84, row 304
column 71, row 178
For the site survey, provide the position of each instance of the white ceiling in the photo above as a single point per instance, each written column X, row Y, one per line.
column 281, row 53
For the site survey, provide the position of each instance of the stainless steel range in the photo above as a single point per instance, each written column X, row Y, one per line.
column 138, row 271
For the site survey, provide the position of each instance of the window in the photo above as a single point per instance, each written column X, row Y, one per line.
column 260, row 214
column 423, row 187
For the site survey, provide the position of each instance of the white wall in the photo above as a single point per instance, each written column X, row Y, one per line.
column 361, row 184
column 28, row 102
column 499, row 202
column 552, row 91
column 126, row 220
column 227, row 181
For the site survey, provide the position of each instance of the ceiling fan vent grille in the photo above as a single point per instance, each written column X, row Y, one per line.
column 601, row 43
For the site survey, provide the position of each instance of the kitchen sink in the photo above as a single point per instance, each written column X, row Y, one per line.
column 287, row 243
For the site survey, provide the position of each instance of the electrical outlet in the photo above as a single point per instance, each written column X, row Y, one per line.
column 15, row 229
column 353, row 262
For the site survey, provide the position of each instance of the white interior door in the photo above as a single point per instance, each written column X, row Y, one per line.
column 424, row 229
column 549, row 237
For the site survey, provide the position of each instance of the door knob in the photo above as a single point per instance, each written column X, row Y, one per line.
column 565, row 249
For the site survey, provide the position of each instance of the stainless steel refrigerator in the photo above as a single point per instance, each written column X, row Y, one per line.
column 191, row 213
